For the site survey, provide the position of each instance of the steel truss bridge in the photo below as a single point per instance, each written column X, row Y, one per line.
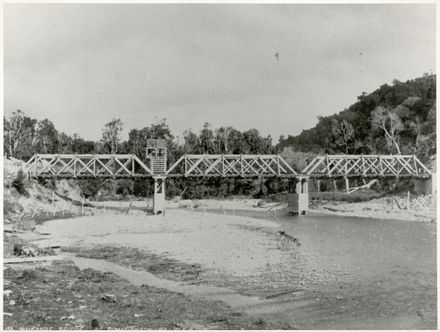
column 227, row 165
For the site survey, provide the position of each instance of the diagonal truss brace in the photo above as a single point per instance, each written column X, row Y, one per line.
column 229, row 165
column 366, row 165
column 87, row 166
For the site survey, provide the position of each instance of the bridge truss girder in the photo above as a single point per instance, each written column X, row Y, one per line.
column 229, row 165
column 366, row 166
column 87, row 166
column 130, row 166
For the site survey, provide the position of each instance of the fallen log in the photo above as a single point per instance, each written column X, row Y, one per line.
column 365, row 186
column 331, row 209
column 336, row 210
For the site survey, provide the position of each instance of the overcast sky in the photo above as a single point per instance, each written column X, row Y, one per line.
column 82, row 65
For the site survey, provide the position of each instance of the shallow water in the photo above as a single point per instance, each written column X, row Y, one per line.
column 139, row 278
column 365, row 273
column 348, row 273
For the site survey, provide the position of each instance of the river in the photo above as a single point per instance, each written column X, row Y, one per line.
column 347, row 273
column 366, row 273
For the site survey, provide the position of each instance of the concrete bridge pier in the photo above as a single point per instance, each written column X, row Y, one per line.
column 159, row 194
column 298, row 202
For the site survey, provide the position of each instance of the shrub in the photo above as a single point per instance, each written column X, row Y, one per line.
column 11, row 207
column 28, row 275
column 19, row 183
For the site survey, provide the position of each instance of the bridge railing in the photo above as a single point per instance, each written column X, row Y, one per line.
column 87, row 166
column 366, row 165
column 230, row 165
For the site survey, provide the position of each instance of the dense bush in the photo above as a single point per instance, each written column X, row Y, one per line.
column 354, row 130
column 10, row 207
column 19, row 183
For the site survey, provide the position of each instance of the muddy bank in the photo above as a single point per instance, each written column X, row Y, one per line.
column 382, row 208
column 227, row 205
column 420, row 209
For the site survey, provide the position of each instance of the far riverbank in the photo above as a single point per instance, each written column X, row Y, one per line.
column 420, row 209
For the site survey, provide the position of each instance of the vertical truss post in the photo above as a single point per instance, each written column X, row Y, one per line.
column 132, row 165
column 363, row 165
column 278, row 164
column 36, row 165
column 380, row 165
column 416, row 169
column 327, row 165
column 74, row 165
column 346, row 166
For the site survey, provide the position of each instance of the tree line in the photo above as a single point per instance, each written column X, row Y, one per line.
column 394, row 119
column 24, row 136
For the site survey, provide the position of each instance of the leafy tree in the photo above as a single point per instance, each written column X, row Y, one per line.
column 18, row 135
column 411, row 101
column 343, row 134
column 64, row 143
column 79, row 145
column 111, row 135
column 222, row 139
column 389, row 122
column 206, row 139
column 137, row 139
column 46, row 137
column 191, row 142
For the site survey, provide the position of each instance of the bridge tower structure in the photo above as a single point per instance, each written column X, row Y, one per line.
column 156, row 154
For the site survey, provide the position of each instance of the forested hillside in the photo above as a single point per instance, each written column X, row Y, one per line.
column 397, row 118
column 393, row 119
